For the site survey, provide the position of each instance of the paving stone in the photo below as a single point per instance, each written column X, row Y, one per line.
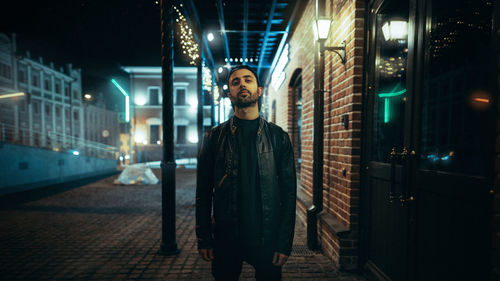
column 102, row 231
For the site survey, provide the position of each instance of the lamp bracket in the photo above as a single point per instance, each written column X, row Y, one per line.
column 339, row 50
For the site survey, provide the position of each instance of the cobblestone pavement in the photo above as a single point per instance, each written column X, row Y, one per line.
column 102, row 231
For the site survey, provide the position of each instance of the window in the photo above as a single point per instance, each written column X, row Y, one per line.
column 22, row 106
column 36, row 107
column 58, row 112
column 76, row 115
column 58, row 86
column 75, row 94
column 47, row 84
column 66, row 113
column 154, row 134
column 154, row 96
column 66, row 90
column 47, row 109
column 22, row 75
column 181, row 97
column 35, row 79
column 181, row 134
column 5, row 70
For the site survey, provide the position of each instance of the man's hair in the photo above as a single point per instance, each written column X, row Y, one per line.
column 243, row 66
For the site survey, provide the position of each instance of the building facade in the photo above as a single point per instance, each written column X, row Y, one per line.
column 51, row 114
column 146, row 117
column 405, row 185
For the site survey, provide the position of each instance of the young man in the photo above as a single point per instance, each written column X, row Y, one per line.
column 246, row 171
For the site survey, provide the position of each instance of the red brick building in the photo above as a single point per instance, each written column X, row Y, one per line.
column 406, row 142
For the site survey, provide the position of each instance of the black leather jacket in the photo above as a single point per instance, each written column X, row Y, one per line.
column 217, row 186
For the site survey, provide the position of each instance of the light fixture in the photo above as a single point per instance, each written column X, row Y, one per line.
column 127, row 100
column 224, row 87
column 321, row 29
column 140, row 100
column 220, row 69
column 210, row 36
column 395, row 30
column 11, row 95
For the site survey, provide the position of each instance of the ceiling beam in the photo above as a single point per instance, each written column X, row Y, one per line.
column 255, row 31
column 266, row 35
column 220, row 11
column 245, row 28
column 282, row 43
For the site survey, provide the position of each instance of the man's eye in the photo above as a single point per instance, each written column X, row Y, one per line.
column 248, row 80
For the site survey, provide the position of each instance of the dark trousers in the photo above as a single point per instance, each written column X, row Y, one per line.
column 229, row 257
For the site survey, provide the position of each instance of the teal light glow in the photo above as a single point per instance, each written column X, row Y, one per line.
column 387, row 114
column 392, row 94
column 127, row 100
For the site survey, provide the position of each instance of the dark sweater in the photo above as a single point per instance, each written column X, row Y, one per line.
column 250, row 205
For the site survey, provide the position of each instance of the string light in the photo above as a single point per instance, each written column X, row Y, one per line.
column 188, row 44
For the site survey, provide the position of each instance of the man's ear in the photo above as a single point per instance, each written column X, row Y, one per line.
column 260, row 89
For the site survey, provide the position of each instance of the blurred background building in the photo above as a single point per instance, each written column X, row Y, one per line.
column 146, row 99
column 46, row 129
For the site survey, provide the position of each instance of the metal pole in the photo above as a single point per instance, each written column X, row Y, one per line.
column 200, row 96
column 168, row 240
column 212, row 101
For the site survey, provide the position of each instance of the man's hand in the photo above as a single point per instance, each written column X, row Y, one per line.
column 279, row 259
column 206, row 254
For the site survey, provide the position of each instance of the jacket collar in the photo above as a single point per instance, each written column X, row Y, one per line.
column 233, row 126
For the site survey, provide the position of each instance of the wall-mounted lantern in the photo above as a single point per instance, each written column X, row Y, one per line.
column 321, row 29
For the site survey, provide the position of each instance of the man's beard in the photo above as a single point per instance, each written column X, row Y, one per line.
column 244, row 102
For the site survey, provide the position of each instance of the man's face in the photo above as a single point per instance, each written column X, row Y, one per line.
column 243, row 88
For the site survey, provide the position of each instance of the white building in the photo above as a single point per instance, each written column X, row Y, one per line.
column 51, row 114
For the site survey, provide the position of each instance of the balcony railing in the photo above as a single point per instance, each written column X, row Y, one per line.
column 56, row 142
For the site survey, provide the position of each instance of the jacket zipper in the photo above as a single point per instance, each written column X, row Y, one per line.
column 222, row 180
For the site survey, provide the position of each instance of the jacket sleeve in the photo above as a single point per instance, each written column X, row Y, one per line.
column 204, row 192
column 288, row 194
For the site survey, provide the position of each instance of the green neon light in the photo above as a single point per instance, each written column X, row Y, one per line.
column 391, row 94
column 127, row 100
column 387, row 113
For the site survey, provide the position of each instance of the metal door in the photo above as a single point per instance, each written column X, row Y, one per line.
column 454, row 141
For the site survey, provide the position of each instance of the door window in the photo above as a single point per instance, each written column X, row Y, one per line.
column 389, row 86
column 456, row 96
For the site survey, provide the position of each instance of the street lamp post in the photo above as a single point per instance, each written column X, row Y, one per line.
column 168, row 240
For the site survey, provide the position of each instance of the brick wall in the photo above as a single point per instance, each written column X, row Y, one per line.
column 343, row 85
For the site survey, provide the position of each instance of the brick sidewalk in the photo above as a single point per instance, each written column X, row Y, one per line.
column 105, row 232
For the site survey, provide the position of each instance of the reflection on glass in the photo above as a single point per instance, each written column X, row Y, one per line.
column 390, row 79
column 456, row 96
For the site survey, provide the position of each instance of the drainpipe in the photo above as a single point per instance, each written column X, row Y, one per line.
column 317, row 206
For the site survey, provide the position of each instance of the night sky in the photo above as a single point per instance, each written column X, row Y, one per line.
column 96, row 36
